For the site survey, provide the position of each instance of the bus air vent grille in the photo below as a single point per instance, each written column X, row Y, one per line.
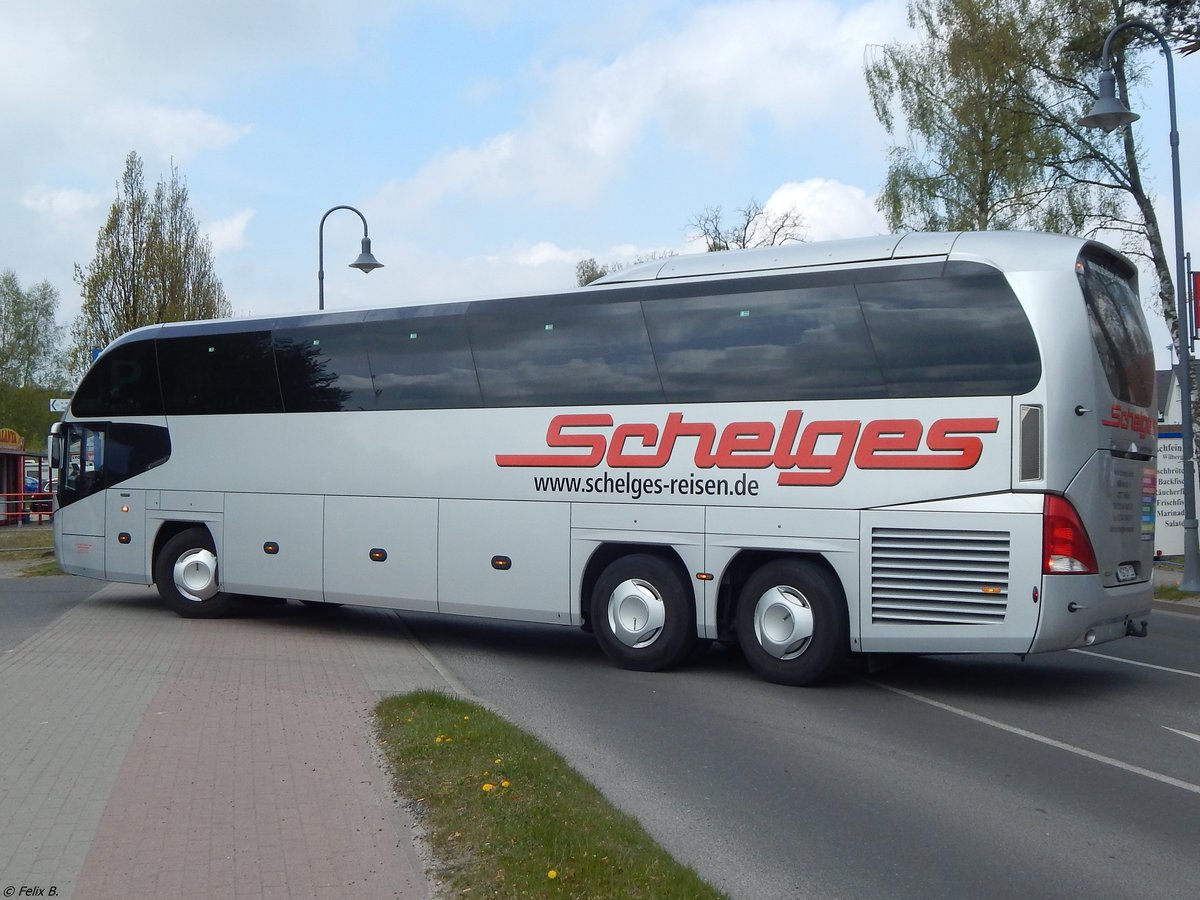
column 934, row 577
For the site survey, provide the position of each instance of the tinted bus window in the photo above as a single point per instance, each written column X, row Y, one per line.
column 221, row 373
column 323, row 368
column 132, row 449
column 554, row 352
column 123, row 382
column 421, row 363
column 794, row 344
column 962, row 335
column 1121, row 339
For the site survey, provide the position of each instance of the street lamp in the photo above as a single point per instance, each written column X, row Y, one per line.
column 1110, row 113
column 366, row 262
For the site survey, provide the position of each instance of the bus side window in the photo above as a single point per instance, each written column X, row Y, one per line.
column 794, row 343
column 421, row 362
column 549, row 351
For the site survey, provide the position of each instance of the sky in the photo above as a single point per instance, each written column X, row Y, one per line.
column 490, row 144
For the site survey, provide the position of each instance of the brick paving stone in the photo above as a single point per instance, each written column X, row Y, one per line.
column 146, row 755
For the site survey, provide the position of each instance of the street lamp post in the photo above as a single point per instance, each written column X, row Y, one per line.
column 1109, row 113
column 366, row 262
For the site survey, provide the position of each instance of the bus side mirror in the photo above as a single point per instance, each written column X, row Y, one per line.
column 54, row 443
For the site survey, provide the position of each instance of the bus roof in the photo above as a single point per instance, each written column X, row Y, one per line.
column 1006, row 248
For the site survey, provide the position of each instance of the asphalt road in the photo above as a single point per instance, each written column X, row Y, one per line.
column 1066, row 775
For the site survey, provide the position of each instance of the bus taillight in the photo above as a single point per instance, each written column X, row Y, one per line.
column 1066, row 549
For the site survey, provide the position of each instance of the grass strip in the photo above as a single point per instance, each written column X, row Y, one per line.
column 18, row 537
column 28, row 543
column 507, row 817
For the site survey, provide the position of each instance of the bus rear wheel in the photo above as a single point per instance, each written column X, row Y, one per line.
column 186, row 576
column 792, row 622
column 642, row 613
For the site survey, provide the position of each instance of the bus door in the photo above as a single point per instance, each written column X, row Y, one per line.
column 79, row 519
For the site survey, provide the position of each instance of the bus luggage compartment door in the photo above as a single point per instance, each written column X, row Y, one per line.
column 950, row 582
column 381, row 551
column 505, row 559
column 271, row 545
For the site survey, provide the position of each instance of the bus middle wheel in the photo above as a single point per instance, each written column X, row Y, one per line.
column 642, row 613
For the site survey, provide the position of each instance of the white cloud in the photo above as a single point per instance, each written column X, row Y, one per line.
column 61, row 203
column 831, row 210
column 230, row 233
column 795, row 64
column 543, row 253
column 178, row 134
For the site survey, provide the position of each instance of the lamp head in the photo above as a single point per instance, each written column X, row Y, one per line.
column 366, row 262
column 1108, row 112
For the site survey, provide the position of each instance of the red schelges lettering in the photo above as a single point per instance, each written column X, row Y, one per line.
column 1130, row 420
column 817, row 455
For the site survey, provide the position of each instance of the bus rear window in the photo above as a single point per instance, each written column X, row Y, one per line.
column 1118, row 328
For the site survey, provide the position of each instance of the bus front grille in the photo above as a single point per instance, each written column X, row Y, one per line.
column 938, row 577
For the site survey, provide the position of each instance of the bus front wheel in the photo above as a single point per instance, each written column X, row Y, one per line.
column 642, row 615
column 792, row 622
column 186, row 576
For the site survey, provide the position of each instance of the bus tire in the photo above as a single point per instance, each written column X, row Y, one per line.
column 642, row 613
column 792, row 622
column 185, row 573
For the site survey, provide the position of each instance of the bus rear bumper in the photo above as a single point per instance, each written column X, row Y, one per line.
column 1077, row 611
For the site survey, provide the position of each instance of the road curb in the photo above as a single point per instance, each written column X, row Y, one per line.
column 1186, row 606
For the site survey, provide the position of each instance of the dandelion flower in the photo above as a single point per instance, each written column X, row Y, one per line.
column 499, row 761
column 488, row 786
column 551, row 874
column 504, row 783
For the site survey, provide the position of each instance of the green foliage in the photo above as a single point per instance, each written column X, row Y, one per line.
column 588, row 270
column 29, row 337
column 30, row 359
column 27, row 411
column 507, row 817
column 152, row 265
column 991, row 94
column 976, row 152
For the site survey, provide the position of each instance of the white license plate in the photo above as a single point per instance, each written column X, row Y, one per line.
column 1126, row 572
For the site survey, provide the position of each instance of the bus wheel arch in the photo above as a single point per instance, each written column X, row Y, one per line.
column 186, row 573
column 641, row 606
column 792, row 620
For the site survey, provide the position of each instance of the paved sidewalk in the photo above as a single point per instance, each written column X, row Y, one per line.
column 147, row 756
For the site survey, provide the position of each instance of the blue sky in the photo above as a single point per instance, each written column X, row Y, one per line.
column 490, row 144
